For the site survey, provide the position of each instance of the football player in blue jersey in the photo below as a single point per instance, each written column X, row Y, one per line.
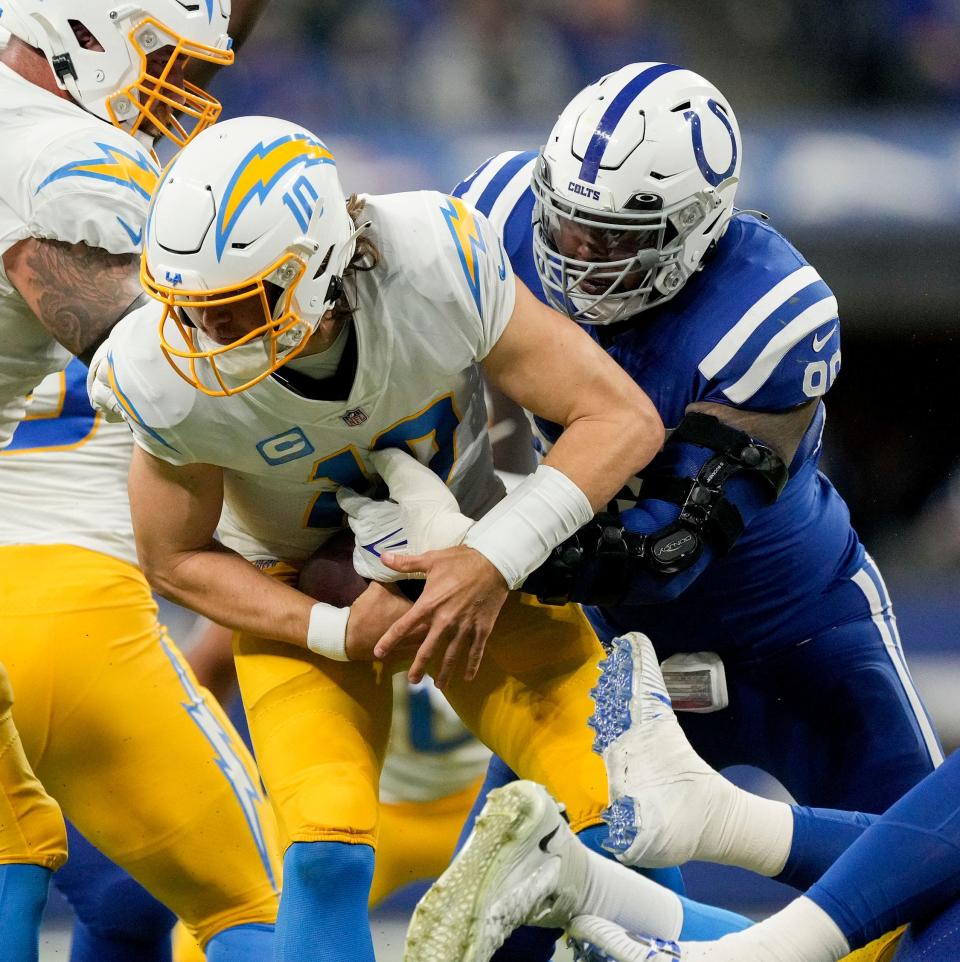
column 734, row 552
column 736, row 544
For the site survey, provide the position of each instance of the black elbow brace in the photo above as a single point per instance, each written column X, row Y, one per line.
column 597, row 564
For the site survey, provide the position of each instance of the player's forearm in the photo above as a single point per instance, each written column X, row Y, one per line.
column 599, row 453
column 226, row 588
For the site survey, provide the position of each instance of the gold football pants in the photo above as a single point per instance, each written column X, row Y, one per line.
column 141, row 759
column 31, row 825
column 320, row 727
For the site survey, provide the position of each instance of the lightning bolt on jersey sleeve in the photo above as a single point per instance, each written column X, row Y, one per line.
column 154, row 401
column 500, row 189
column 482, row 271
column 92, row 188
column 66, row 175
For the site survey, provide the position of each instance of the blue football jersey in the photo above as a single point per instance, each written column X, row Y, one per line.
column 756, row 329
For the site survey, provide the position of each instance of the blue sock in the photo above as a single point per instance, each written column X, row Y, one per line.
column 905, row 866
column 23, row 895
column 242, row 943
column 323, row 908
column 704, row 922
column 117, row 919
column 820, row 837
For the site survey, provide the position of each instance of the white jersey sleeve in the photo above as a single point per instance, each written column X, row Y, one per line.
column 64, row 176
column 454, row 258
column 154, row 400
column 91, row 187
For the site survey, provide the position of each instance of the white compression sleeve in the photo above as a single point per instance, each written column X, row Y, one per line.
column 519, row 533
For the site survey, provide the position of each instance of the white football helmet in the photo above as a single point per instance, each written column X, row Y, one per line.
column 124, row 62
column 251, row 211
column 635, row 184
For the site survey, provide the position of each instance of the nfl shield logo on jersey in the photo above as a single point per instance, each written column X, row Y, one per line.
column 354, row 418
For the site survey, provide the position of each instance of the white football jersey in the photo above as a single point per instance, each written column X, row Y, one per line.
column 431, row 754
column 64, row 175
column 435, row 305
column 63, row 476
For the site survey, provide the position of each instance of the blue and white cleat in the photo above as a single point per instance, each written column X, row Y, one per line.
column 598, row 940
column 666, row 803
column 631, row 690
column 520, row 865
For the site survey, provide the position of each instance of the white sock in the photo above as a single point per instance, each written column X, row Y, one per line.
column 799, row 933
column 755, row 833
column 686, row 810
column 612, row 891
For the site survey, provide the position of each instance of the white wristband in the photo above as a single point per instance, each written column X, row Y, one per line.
column 518, row 534
column 327, row 633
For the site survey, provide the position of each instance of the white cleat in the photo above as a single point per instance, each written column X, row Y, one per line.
column 520, row 865
column 666, row 804
column 598, row 940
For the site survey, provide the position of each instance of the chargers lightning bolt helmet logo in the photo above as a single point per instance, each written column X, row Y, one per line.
column 469, row 243
column 259, row 172
column 133, row 171
column 250, row 213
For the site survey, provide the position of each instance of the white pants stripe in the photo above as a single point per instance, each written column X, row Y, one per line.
column 869, row 581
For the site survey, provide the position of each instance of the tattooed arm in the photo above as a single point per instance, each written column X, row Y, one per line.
column 77, row 292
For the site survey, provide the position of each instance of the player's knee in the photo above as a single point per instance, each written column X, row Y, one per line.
column 331, row 866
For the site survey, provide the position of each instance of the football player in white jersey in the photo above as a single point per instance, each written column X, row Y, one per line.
column 111, row 720
column 302, row 337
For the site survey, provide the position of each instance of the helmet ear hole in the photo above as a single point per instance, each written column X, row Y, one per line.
column 324, row 262
column 335, row 289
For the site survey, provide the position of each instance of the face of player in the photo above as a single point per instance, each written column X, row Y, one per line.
column 156, row 64
column 227, row 323
column 600, row 245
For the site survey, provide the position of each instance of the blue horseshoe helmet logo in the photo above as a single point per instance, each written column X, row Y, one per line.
column 711, row 176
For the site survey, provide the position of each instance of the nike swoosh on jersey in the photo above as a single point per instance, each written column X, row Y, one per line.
column 819, row 342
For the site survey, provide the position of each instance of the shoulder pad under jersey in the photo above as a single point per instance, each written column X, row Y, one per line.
column 91, row 185
column 450, row 255
column 154, row 399
column 774, row 338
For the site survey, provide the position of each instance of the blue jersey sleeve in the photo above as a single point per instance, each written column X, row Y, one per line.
column 781, row 347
